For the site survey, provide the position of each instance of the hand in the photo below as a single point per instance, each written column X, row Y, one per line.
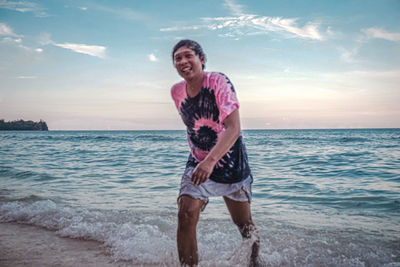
column 202, row 172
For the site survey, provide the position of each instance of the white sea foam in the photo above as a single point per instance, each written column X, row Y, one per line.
column 149, row 239
column 120, row 232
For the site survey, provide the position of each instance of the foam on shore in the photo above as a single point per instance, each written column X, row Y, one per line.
column 37, row 229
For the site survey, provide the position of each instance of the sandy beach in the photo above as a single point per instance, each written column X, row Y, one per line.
column 25, row 245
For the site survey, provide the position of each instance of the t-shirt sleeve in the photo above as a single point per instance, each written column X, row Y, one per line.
column 173, row 96
column 176, row 94
column 226, row 97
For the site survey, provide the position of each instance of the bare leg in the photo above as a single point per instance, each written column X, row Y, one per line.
column 241, row 216
column 188, row 216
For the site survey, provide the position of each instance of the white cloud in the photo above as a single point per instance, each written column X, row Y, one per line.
column 45, row 39
column 11, row 37
column 124, row 13
column 8, row 40
column 181, row 28
column 248, row 24
column 23, row 6
column 152, row 58
column 26, row 77
column 14, row 39
column 83, row 8
column 387, row 75
column 6, row 30
column 235, row 8
column 92, row 50
column 382, row 34
column 278, row 24
column 348, row 55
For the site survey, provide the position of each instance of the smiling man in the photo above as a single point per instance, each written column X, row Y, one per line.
column 217, row 164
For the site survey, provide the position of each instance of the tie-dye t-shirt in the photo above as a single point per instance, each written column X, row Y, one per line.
column 204, row 117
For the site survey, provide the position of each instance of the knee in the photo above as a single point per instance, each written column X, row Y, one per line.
column 187, row 218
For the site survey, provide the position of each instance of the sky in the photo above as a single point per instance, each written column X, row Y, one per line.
column 106, row 65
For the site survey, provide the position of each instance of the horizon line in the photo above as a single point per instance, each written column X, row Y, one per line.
column 247, row 129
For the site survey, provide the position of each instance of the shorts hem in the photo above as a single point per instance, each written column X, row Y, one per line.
column 245, row 192
column 205, row 201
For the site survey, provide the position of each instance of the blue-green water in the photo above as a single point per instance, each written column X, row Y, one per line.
column 320, row 197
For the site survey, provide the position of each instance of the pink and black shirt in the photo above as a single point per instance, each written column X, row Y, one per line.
column 204, row 117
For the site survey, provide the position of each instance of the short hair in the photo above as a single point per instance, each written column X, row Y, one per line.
column 195, row 46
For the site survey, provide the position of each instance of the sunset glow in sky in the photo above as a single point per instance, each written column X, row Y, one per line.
column 99, row 65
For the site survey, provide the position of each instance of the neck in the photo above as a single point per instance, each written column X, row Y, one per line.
column 194, row 85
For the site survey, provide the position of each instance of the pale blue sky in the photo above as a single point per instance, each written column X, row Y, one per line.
column 107, row 64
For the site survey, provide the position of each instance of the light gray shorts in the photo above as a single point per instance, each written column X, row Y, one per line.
column 240, row 191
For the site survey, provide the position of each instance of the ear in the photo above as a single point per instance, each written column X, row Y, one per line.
column 203, row 60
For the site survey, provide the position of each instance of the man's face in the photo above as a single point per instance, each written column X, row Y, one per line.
column 187, row 63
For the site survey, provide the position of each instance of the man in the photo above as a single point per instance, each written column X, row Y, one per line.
column 217, row 165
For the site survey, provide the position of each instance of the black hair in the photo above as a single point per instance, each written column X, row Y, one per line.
column 195, row 46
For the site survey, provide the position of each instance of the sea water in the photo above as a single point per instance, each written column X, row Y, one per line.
column 320, row 197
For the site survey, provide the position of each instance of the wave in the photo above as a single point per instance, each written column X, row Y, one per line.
column 92, row 136
column 352, row 139
column 84, row 137
column 128, row 235
column 9, row 172
column 157, row 138
column 148, row 238
column 307, row 195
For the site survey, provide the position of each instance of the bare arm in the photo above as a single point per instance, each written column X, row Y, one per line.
column 225, row 142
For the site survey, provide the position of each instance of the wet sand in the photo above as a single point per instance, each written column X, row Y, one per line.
column 25, row 245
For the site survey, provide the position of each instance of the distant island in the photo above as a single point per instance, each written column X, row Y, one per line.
column 21, row 125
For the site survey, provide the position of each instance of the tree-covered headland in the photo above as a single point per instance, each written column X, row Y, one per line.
column 21, row 125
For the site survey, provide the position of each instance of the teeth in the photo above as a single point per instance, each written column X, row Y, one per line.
column 186, row 69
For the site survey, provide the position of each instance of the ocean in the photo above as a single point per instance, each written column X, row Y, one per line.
column 320, row 197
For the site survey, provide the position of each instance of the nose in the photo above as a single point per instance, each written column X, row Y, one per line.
column 182, row 61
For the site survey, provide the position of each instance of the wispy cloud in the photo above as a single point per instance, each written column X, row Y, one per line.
column 18, row 43
column 240, row 24
column 253, row 24
column 6, row 30
column 152, row 58
column 124, row 13
column 387, row 75
column 182, row 28
column 234, row 7
column 27, row 77
column 11, row 40
column 381, row 34
column 347, row 55
column 45, row 38
column 91, row 50
column 10, row 37
column 24, row 6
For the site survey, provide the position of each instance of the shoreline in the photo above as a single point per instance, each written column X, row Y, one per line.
column 26, row 245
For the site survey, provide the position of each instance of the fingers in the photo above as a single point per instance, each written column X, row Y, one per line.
column 196, row 177
column 202, row 178
column 199, row 176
